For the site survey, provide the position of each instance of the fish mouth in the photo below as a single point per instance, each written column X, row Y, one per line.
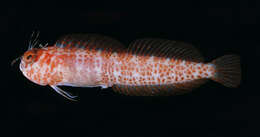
column 23, row 70
column 21, row 66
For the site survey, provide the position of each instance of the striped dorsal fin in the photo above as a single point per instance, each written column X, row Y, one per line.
column 89, row 41
column 165, row 48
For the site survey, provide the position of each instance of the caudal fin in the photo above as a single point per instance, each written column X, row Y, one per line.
column 228, row 70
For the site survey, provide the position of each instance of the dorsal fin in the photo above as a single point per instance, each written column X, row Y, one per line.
column 89, row 41
column 165, row 48
column 158, row 90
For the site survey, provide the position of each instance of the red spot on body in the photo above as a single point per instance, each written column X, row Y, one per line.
column 48, row 61
column 187, row 63
column 182, row 78
column 152, row 78
column 163, row 80
column 188, row 72
column 158, row 80
column 162, row 75
column 155, row 71
column 176, row 78
column 131, row 74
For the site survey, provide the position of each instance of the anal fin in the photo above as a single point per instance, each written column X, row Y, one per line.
column 158, row 90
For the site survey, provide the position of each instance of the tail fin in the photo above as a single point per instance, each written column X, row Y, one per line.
column 228, row 70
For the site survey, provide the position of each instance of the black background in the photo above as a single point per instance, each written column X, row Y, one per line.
column 216, row 28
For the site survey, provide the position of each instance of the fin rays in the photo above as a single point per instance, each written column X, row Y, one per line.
column 89, row 41
column 165, row 48
column 64, row 93
column 155, row 90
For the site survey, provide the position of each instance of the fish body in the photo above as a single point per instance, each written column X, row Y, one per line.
column 147, row 67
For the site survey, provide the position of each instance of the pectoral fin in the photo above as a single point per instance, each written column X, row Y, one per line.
column 64, row 93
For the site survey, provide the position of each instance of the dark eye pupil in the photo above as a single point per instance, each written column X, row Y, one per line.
column 28, row 57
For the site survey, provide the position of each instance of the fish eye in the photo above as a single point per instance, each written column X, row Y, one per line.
column 29, row 57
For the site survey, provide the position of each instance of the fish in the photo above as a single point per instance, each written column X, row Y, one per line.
column 147, row 67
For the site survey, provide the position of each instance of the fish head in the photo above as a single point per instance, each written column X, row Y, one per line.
column 30, row 67
column 29, row 58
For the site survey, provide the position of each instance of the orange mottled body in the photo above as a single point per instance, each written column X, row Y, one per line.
column 80, row 67
column 147, row 67
column 150, row 70
column 61, row 66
